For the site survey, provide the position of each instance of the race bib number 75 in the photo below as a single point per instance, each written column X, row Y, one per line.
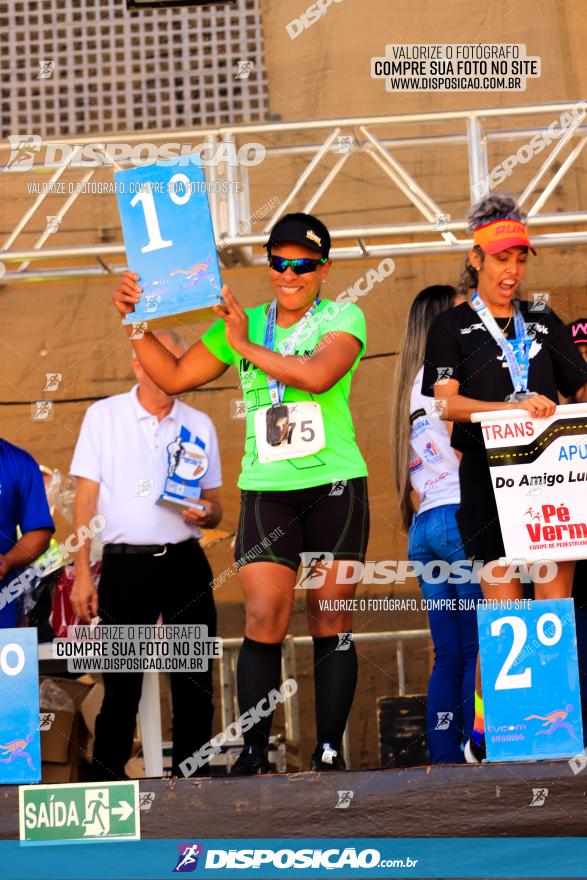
column 304, row 434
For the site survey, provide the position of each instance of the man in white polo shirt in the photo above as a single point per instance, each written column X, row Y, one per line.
column 133, row 447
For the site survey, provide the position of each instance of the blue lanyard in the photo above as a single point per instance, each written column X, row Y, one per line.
column 517, row 352
column 277, row 389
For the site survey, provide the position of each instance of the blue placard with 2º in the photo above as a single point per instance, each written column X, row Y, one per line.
column 20, row 739
column 530, row 679
column 169, row 241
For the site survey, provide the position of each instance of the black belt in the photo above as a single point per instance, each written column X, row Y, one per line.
column 145, row 549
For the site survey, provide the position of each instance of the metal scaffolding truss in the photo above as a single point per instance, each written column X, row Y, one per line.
column 326, row 146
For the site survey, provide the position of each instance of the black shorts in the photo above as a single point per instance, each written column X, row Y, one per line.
column 279, row 526
column 477, row 515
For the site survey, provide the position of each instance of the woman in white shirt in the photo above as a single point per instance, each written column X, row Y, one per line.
column 426, row 466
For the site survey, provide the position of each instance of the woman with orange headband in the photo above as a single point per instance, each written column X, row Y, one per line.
column 495, row 352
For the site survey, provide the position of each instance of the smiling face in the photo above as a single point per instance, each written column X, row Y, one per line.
column 295, row 293
column 500, row 275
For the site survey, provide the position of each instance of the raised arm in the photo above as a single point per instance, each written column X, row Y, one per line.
column 84, row 596
column 28, row 548
column 332, row 358
column 173, row 375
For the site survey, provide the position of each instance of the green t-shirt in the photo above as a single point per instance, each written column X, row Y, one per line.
column 341, row 458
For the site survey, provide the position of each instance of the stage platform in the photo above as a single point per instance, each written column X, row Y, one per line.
column 491, row 800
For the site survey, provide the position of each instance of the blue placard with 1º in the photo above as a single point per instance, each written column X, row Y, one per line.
column 20, row 739
column 169, row 242
column 530, row 679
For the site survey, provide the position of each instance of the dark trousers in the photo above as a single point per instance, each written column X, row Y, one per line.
column 135, row 589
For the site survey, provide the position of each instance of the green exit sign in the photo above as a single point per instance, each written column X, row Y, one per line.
column 83, row 812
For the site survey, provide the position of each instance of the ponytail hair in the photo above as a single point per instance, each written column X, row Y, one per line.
column 487, row 210
column 429, row 303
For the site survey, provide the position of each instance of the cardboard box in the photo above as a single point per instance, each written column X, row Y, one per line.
column 90, row 709
column 73, row 771
column 63, row 697
column 67, row 739
column 58, row 773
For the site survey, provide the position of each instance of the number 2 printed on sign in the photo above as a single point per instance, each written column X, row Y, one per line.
column 510, row 681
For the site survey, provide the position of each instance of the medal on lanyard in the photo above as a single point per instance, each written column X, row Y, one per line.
column 524, row 344
column 517, row 356
column 277, row 416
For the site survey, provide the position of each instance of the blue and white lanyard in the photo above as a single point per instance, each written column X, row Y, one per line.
column 277, row 389
column 518, row 357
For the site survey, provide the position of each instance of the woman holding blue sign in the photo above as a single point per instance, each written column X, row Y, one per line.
column 303, row 479
column 495, row 352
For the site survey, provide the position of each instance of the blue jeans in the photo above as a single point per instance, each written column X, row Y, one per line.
column 434, row 534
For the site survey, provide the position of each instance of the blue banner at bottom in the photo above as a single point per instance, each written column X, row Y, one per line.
column 368, row 858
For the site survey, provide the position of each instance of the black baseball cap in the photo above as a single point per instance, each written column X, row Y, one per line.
column 578, row 330
column 302, row 229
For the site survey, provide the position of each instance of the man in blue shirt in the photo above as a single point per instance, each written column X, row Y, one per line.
column 23, row 503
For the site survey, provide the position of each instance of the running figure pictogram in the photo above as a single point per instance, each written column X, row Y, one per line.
column 194, row 273
column 556, row 719
column 16, row 749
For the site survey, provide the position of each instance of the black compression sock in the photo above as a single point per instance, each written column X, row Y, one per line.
column 258, row 672
column 335, row 680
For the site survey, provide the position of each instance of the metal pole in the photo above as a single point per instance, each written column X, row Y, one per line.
column 233, row 663
column 573, row 218
column 291, row 707
column 406, row 182
column 346, row 747
column 569, row 133
column 302, row 179
column 61, row 213
column 310, row 125
column 407, row 249
column 399, row 143
column 553, row 183
column 38, row 202
column 325, row 184
column 478, row 167
column 225, row 689
column 244, row 197
column 214, row 200
column 401, row 672
column 231, row 198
